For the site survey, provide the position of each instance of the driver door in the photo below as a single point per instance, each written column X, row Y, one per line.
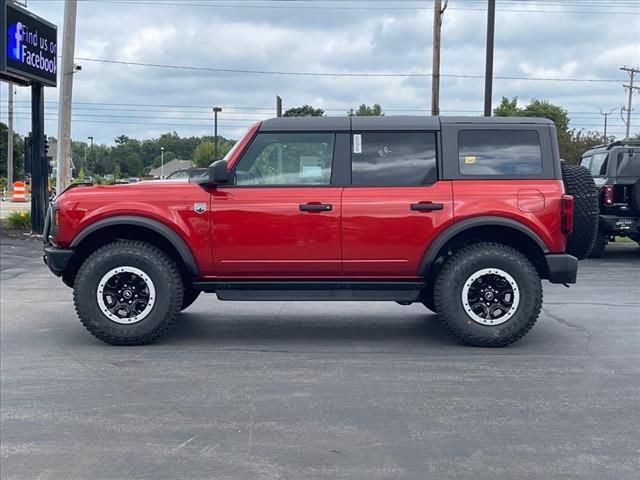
column 281, row 215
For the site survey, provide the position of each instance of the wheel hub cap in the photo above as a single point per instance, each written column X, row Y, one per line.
column 490, row 296
column 126, row 295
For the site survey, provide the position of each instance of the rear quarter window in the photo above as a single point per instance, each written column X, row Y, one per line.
column 499, row 152
column 629, row 165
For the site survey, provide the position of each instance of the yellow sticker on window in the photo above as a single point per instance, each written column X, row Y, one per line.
column 469, row 159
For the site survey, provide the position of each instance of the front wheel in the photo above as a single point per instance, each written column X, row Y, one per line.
column 128, row 293
column 488, row 295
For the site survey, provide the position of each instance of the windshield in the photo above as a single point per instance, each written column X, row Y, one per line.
column 178, row 174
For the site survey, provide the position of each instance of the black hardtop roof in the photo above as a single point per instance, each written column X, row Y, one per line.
column 388, row 122
column 605, row 147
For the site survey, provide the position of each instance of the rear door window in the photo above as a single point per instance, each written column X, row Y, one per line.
column 393, row 158
column 499, row 152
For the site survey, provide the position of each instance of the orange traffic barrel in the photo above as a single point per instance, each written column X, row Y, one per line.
column 19, row 194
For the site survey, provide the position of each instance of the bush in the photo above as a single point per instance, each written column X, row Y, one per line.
column 19, row 220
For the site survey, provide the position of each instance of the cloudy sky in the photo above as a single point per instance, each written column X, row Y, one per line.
column 221, row 44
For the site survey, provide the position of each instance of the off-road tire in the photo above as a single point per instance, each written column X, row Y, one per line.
column 579, row 183
column 458, row 269
column 634, row 199
column 189, row 297
column 156, row 265
column 602, row 238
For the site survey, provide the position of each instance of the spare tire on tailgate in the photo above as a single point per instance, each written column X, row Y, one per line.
column 579, row 183
column 635, row 197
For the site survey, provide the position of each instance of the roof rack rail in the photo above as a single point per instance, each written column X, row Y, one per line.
column 623, row 143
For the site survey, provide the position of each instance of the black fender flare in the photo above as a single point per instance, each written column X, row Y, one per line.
column 161, row 229
column 458, row 227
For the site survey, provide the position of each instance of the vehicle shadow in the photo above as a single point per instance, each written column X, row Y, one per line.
column 261, row 329
column 619, row 252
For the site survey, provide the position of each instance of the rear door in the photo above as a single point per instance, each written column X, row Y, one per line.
column 281, row 215
column 395, row 203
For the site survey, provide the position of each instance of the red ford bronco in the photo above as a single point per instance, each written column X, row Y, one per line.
column 465, row 215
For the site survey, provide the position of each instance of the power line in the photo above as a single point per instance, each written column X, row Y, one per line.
column 242, row 110
column 337, row 74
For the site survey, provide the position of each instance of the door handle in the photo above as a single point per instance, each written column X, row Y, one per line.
column 316, row 207
column 426, row 206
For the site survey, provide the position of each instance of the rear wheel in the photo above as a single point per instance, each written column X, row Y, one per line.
column 128, row 293
column 488, row 295
column 579, row 183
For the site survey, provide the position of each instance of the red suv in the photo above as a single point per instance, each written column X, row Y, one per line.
column 464, row 215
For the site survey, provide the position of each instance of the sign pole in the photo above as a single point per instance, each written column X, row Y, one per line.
column 39, row 168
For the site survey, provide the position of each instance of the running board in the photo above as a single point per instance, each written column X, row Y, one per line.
column 314, row 290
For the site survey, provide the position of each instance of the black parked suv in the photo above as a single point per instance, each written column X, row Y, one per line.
column 616, row 170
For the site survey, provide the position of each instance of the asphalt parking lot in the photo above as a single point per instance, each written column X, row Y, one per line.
column 321, row 390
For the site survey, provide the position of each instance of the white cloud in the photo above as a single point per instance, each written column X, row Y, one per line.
column 324, row 40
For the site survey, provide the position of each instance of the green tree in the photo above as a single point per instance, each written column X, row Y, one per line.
column 203, row 154
column 508, row 108
column 18, row 153
column 536, row 108
column 575, row 142
column 366, row 111
column 544, row 109
column 304, row 111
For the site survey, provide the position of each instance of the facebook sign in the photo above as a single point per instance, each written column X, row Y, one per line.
column 29, row 46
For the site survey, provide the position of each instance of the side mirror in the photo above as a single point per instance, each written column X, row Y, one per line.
column 218, row 173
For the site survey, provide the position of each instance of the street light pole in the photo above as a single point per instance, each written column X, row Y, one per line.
column 161, row 163
column 215, row 132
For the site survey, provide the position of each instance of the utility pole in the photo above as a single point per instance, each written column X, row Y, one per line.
column 10, row 137
column 605, row 115
column 630, row 88
column 215, row 132
column 488, row 71
column 278, row 106
column 63, row 160
column 438, row 12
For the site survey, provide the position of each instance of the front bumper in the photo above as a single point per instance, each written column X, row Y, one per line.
column 57, row 259
column 563, row 268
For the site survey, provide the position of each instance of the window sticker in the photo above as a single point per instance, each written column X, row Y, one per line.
column 469, row 159
column 310, row 167
column 357, row 143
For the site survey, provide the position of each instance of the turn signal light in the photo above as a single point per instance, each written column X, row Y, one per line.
column 607, row 194
column 566, row 214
